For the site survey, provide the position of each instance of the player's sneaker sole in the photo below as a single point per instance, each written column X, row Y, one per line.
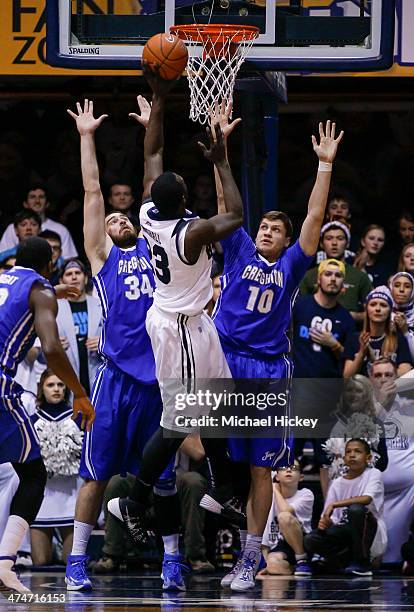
column 77, row 587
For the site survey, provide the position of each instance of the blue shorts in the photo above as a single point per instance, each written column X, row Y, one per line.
column 18, row 438
column 263, row 452
column 127, row 414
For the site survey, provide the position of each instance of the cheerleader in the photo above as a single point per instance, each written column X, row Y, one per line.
column 61, row 444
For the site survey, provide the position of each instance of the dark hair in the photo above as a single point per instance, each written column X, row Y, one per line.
column 40, row 395
column 26, row 214
column 66, row 263
column 125, row 183
column 167, row 193
column 277, row 215
column 406, row 214
column 35, row 253
column 51, row 235
column 364, row 443
column 33, row 187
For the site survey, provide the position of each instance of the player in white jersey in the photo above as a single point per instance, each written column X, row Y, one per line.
column 184, row 339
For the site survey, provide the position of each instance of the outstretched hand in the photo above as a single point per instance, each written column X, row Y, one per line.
column 328, row 145
column 159, row 86
column 82, row 405
column 217, row 151
column 85, row 121
column 221, row 114
column 145, row 109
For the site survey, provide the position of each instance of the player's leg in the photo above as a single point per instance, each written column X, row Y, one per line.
column 19, row 445
column 99, row 461
column 67, row 540
column 41, row 545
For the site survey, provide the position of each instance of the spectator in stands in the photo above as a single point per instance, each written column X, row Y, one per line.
column 368, row 258
column 54, row 424
column 340, row 223
column 216, row 293
column 397, row 414
column 352, row 530
column 79, row 322
column 378, row 338
column 121, row 199
column 321, row 328
column 406, row 261
column 334, row 239
column 289, row 520
column 36, row 200
column 402, row 291
column 406, row 227
column 26, row 224
column 55, row 242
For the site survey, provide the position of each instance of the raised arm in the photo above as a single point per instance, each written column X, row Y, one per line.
column 221, row 115
column 154, row 136
column 44, row 307
column 326, row 152
column 203, row 232
column 97, row 242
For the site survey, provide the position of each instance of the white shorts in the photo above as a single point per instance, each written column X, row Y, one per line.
column 187, row 353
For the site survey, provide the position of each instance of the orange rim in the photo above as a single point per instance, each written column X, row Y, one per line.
column 219, row 32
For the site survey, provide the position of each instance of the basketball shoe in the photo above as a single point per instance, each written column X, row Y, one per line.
column 132, row 515
column 9, row 582
column 77, row 578
column 219, row 501
column 172, row 573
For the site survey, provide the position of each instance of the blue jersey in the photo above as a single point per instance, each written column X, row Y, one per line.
column 254, row 310
column 17, row 332
column 125, row 285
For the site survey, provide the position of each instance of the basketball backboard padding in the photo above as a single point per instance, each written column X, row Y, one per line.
column 338, row 37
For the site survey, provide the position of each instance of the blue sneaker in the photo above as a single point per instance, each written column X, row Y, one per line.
column 302, row 568
column 172, row 573
column 77, row 578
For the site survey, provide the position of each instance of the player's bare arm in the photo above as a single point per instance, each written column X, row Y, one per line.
column 97, row 242
column 43, row 304
column 154, row 136
column 202, row 232
column 326, row 151
column 221, row 115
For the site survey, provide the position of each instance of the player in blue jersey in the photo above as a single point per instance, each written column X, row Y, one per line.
column 252, row 316
column 125, row 392
column 27, row 307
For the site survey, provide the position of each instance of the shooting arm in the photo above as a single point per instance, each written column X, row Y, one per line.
column 154, row 145
column 44, row 306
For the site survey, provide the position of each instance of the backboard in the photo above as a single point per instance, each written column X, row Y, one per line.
column 295, row 35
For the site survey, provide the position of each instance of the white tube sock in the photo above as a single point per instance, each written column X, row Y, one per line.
column 81, row 534
column 170, row 544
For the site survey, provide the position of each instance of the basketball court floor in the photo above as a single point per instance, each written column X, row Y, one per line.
column 136, row 591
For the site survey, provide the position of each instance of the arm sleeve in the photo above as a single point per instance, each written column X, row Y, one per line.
column 236, row 245
column 303, row 506
column 332, row 495
column 351, row 346
column 298, row 262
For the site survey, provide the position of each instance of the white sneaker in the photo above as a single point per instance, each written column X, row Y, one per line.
column 9, row 580
column 228, row 578
column 245, row 579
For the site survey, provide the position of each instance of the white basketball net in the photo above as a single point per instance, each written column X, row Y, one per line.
column 211, row 77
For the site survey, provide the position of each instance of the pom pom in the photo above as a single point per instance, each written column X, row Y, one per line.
column 61, row 446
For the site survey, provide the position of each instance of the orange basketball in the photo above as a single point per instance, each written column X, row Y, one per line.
column 169, row 52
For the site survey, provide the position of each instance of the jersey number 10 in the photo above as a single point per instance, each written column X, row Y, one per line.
column 262, row 303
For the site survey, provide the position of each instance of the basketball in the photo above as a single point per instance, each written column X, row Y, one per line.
column 169, row 52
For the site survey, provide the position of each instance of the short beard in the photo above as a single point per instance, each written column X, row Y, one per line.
column 331, row 292
column 127, row 241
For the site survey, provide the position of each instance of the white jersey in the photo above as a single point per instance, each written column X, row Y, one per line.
column 181, row 287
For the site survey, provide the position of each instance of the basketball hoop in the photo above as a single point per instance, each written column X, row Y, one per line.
column 211, row 77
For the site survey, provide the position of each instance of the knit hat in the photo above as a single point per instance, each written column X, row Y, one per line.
column 337, row 225
column 380, row 293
